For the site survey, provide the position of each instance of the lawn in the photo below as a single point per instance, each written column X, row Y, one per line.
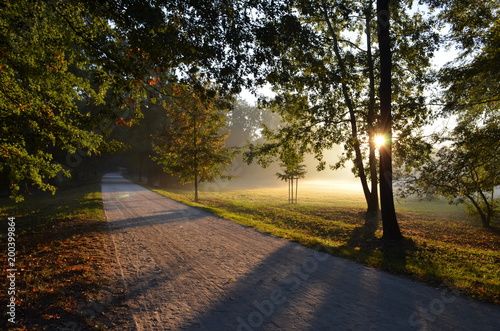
column 64, row 259
column 441, row 247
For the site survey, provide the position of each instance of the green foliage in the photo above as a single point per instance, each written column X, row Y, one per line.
column 53, row 86
column 191, row 143
column 471, row 82
column 245, row 123
column 465, row 169
column 71, row 71
column 293, row 170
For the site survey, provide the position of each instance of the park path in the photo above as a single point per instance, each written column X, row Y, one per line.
column 185, row 269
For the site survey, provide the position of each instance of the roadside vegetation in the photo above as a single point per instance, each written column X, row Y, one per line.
column 441, row 246
column 63, row 259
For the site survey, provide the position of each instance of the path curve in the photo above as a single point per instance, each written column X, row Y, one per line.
column 186, row 269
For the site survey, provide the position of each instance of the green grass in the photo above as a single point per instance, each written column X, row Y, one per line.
column 440, row 246
column 62, row 256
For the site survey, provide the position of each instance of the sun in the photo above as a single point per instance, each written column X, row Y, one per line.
column 379, row 141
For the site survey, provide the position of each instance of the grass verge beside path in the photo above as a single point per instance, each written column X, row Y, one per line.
column 64, row 259
column 439, row 249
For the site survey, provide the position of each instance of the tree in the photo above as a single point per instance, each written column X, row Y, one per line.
column 73, row 70
column 293, row 170
column 466, row 168
column 471, row 81
column 191, row 143
column 324, row 68
column 54, row 82
column 245, row 123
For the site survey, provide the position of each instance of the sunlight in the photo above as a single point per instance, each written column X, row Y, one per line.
column 379, row 141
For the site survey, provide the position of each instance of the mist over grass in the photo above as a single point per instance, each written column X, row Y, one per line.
column 332, row 192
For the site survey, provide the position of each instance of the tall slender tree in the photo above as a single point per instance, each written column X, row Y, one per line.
column 191, row 144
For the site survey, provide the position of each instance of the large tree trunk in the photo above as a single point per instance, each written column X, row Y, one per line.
column 389, row 220
column 485, row 218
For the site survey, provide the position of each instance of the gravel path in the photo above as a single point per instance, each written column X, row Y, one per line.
column 186, row 269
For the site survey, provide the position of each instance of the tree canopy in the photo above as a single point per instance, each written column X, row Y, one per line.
column 55, row 88
column 192, row 142
column 464, row 168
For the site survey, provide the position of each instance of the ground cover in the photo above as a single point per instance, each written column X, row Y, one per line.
column 64, row 259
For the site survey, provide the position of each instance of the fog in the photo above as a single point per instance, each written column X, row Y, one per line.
column 254, row 176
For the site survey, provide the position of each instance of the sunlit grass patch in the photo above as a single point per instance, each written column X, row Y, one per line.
column 441, row 246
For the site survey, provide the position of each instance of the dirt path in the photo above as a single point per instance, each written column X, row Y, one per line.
column 186, row 269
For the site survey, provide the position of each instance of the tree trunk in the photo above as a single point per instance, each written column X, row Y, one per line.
column 485, row 218
column 151, row 174
column 289, row 191
column 296, row 189
column 389, row 220
column 489, row 209
column 373, row 204
column 195, row 187
column 195, row 158
column 141, row 165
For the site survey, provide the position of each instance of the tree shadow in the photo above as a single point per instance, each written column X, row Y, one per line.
column 493, row 229
column 394, row 253
column 364, row 236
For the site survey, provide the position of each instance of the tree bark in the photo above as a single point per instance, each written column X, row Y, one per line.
column 485, row 218
column 151, row 174
column 389, row 220
column 141, row 163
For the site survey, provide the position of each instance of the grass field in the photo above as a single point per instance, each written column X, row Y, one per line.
column 441, row 246
column 63, row 259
